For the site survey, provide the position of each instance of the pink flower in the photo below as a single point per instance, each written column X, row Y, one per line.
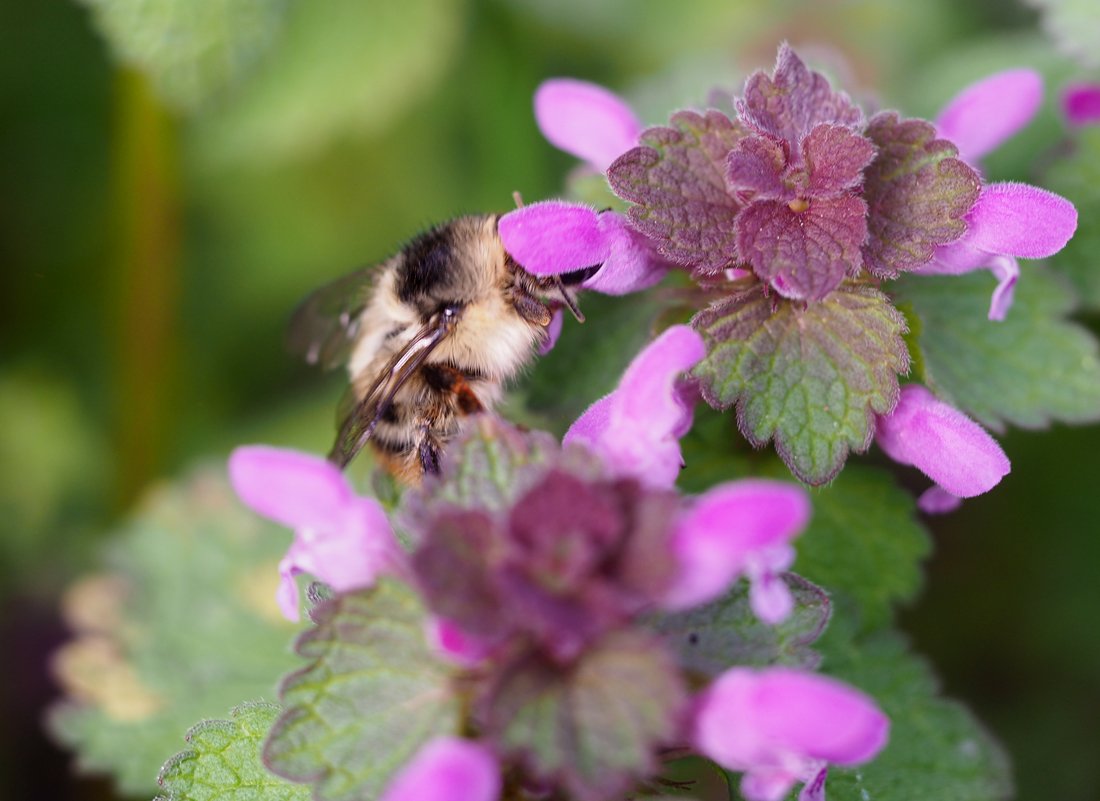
column 637, row 428
column 554, row 237
column 447, row 769
column 741, row 528
column 585, row 120
column 986, row 113
column 1009, row 220
column 340, row 538
column 944, row 444
column 1081, row 103
column 782, row 726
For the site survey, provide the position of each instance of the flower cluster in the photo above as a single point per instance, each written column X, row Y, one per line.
column 545, row 595
column 794, row 216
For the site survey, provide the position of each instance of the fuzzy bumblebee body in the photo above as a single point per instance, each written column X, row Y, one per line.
column 429, row 337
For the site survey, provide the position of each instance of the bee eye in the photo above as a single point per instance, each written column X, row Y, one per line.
column 450, row 311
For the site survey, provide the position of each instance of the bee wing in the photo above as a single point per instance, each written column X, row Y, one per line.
column 363, row 417
column 325, row 325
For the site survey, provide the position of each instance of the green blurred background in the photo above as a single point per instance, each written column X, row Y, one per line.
column 158, row 224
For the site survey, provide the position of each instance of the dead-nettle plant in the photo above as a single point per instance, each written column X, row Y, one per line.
column 557, row 620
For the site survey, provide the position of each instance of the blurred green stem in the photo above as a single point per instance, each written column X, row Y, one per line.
column 146, row 280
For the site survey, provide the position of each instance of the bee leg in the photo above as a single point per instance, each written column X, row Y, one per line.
column 429, row 453
column 453, row 382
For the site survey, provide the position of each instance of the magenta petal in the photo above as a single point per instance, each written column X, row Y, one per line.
column 771, row 599
column 447, row 769
column 586, row 120
column 1007, row 271
column 1020, row 220
column 725, row 529
column 937, row 501
column 553, row 237
column 749, row 720
column 1081, row 103
column 941, row 442
column 591, row 426
column 631, row 264
column 988, row 112
column 296, row 489
column 646, row 392
column 286, row 596
column 455, row 645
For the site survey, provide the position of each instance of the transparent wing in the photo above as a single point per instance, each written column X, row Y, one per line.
column 363, row 417
column 325, row 325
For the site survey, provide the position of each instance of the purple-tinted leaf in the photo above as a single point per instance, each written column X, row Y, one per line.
column 813, row 378
column 835, row 157
column 708, row 639
column 677, row 181
column 353, row 699
column 803, row 254
column 789, row 104
column 917, row 193
column 755, row 169
column 594, row 729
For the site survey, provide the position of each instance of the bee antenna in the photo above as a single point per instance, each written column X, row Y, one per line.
column 569, row 298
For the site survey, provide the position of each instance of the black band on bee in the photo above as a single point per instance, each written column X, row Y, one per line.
column 426, row 263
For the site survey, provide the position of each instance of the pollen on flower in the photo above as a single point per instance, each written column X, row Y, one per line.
column 798, row 205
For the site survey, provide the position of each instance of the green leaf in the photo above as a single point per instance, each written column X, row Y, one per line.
column 677, row 178
column 1072, row 25
column 342, row 68
column 811, row 376
column 1077, row 177
column 181, row 626
column 864, row 542
column 917, row 194
column 190, row 51
column 596, row 728
column 373, row 694
column 937, row 749
column 223, row 762
column 712, row 638
column 1030, row 369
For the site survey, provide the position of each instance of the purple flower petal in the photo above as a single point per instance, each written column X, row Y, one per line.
column 731, row 529
column 784, row 721
column 988, row 112
column 553, row 237
column 586, row 120
column 455, row 645
column 1081, row 103
column 447, row 769
column 1006, row 270
column 941, row 442
column 296, row 489
column 343, row 540
column 937, row 501
column 636, row 428
column 1020, row 220
column 631, row 265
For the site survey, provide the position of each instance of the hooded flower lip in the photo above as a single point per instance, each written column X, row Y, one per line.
column 741, row 528
column 782, row 726
column 944, row 444
column 986, row 113
column 342, row 539
column 554, row 237
column 586, row 120
column 1081, row 103
column 447, row 769
column 1009, row 221
column 636, row 429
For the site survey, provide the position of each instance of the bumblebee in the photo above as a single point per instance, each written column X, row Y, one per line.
column 429, row 337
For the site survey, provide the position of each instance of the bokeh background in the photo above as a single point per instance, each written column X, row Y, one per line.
column 159, row 221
